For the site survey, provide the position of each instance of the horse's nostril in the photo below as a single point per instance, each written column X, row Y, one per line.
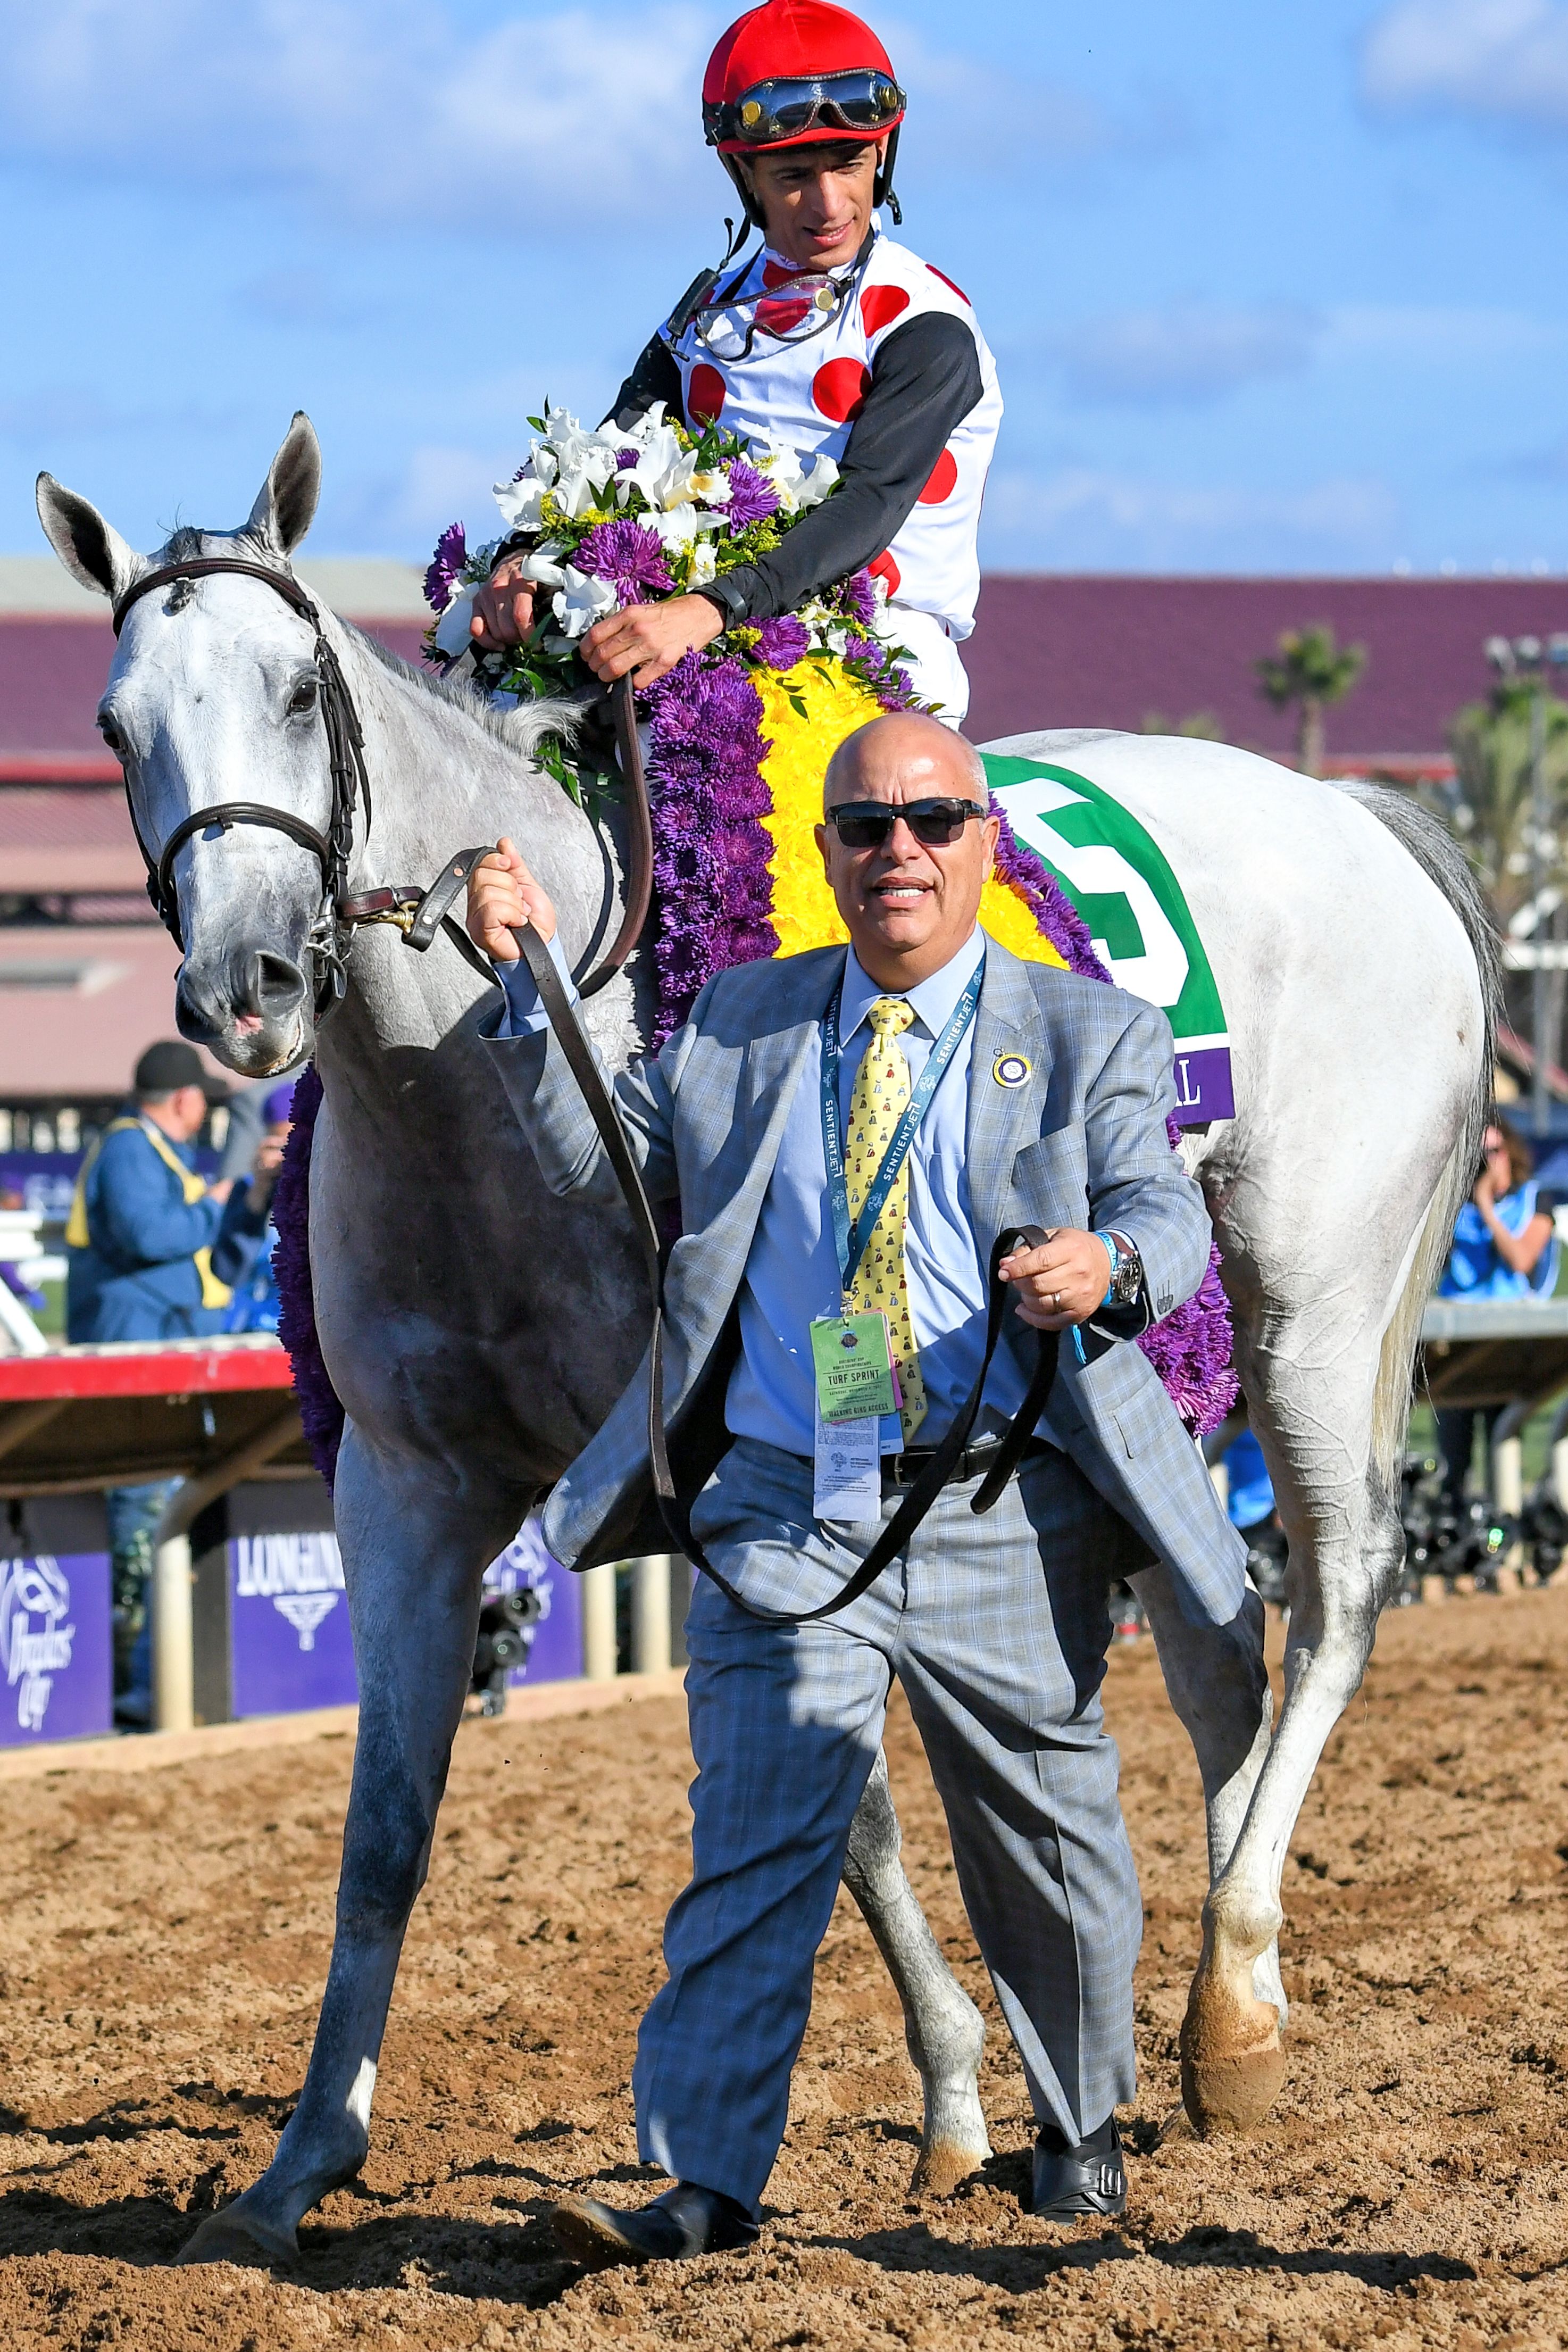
column 273, row 986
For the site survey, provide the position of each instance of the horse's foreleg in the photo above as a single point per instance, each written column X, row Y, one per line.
column 412, row 1562
column 1232, row 2063
column 943, row 2030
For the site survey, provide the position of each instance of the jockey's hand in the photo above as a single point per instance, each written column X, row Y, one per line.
column 502, row 897
column 1061, row 1283
column 503, row 608
column 650, row 638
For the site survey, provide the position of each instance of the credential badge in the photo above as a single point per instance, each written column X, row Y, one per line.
column 1012, row 1070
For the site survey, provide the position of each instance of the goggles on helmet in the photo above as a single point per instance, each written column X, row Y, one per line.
column 863, row 102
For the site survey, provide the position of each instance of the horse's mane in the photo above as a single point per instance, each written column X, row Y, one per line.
column 520, row 730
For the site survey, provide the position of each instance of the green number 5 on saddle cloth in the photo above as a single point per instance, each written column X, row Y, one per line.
column 1118, row 877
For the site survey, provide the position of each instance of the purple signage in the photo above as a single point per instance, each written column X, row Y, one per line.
column 55, row 1648
column 555, row 1655
column 288, row 1624
column 1203, row 1086
column 289, row 1619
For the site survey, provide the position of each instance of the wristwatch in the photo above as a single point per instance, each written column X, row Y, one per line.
column 1126, row 1273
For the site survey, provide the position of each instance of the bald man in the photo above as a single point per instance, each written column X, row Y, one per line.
column 848, row 1133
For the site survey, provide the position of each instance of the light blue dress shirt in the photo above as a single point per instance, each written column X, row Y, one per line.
column 792, row 1273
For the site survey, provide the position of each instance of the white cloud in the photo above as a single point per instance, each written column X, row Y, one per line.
column 1087, row 518
column 382, row 111
column 523, row 130
column 1185, row 355
column 1505, row 61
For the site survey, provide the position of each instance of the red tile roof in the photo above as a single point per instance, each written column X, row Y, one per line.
column 1048, row 650
column 1061, row 651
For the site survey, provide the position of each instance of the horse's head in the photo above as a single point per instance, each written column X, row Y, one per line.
column 214, row 697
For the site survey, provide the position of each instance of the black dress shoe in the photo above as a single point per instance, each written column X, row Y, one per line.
column 1089, row 2178
column 686, row 2220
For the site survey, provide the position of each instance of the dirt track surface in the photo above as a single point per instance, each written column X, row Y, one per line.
column 164, row 1948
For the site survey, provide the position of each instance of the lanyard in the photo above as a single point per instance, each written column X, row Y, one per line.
column 850, row 1241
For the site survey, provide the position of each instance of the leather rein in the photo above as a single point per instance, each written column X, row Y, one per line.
column 417, row 912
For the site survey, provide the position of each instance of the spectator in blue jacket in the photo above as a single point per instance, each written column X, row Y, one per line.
column 1504, row 1246
column 143, row 1223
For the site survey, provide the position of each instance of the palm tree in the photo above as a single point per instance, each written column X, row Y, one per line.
column 1491, row 810
column 1309, row 668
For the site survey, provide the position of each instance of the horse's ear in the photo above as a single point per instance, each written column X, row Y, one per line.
column 286, row 503
column 91, row 549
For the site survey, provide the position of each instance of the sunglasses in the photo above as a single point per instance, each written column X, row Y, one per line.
column 867, row 825
column 788, row 105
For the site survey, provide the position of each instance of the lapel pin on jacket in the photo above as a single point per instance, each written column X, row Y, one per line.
column 1012, row 1070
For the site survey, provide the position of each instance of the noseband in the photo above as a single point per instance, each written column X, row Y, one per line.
column 417, row 912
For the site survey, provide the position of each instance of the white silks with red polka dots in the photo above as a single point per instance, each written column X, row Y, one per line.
column 757, row 365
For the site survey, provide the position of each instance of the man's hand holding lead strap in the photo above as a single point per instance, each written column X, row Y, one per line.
column 1061, row 1283
column 503, row 896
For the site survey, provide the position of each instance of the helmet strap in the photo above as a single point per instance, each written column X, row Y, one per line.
column 752, row 211
column 882, row 192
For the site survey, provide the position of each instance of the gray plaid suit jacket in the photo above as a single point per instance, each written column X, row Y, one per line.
column 1083, row 1142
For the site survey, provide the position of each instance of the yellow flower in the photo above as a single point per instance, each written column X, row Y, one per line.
column 804, row 915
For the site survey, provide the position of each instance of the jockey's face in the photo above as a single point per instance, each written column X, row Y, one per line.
column 908, row 907
column 817, row 201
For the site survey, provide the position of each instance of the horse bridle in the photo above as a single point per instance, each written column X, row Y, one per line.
column 418, row 913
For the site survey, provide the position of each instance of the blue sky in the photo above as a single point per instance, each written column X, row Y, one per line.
column 1273, row 286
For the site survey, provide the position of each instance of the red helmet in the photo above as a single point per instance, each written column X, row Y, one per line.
column 795, row 71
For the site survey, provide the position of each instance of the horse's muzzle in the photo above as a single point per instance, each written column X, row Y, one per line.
column 253, row 1010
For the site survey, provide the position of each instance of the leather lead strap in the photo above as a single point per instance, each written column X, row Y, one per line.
column 640, row 848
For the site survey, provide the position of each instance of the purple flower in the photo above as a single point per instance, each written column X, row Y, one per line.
column 752, row 496
column 1191, row 1352
column 711, row 848
column 860, row 598
column 626, row 461
column 451, row 555
column 783, row 641
column 628, row 555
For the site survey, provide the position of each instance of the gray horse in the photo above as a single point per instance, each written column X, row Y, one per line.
column 477, row 1329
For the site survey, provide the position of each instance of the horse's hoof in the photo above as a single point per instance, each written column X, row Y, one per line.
column 233, row 2236
column 943, row 2165
column 1231, row 2094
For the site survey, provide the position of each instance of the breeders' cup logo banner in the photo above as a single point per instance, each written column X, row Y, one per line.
column 1118, row 876
column 55, row 1644
column 288, row 1624
column 290, row 1645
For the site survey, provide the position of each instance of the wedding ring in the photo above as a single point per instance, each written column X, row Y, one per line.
column 1056, row 1302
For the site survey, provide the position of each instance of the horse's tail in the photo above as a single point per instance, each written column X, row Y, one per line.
column 1444, row 863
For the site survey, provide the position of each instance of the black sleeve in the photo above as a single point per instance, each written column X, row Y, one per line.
column 923, row 381
column 654, row 377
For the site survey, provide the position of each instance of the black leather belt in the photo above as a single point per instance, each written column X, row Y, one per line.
column 900, row 1471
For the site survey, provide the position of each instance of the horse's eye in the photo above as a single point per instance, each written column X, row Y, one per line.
column 304, row 696
column 113, row 741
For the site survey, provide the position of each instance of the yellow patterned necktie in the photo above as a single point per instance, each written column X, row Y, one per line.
column 881, row 1098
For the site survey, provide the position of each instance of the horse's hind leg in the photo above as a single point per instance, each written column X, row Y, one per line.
column 412, row 1557
column 1218, row 1683
column 1347, row 1544
column 944, row 2031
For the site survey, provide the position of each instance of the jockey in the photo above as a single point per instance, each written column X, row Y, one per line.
column 829, row 338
